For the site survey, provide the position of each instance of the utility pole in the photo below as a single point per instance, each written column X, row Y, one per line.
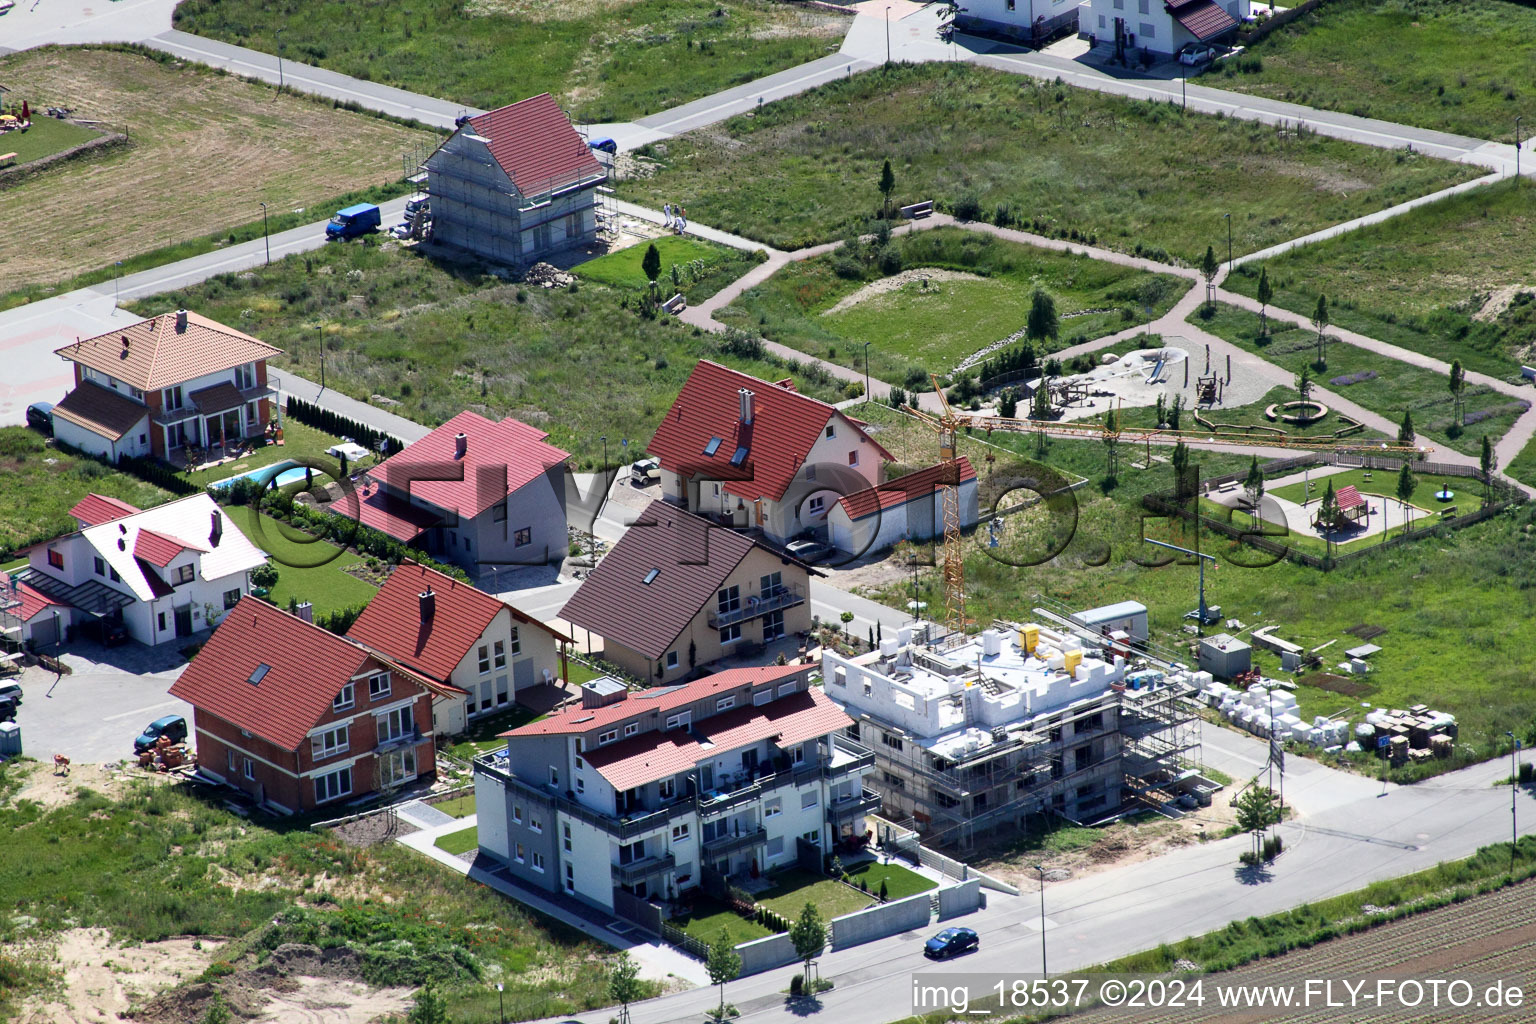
column 320, row 331
column 1517, row 149
column 117, row 284
column 1514, row 791
column 1041, row 868
column 264, row 236
column 866, row 372
column 280, row 60
column 1229, row 243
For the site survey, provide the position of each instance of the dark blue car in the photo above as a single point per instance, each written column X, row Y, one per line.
column 951, row 942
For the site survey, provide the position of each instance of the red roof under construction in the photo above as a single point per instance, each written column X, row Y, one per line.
column 534, row 143
column 901, row 490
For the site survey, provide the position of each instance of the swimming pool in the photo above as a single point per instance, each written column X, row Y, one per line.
column 288, row 472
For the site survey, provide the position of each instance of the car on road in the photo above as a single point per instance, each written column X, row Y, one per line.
column 645, row 472
column 951, row 942
column 416, row 202
column 1195, row 54
column 808, row 550
column 172, row 726
column 40, row 417
column 11, row 691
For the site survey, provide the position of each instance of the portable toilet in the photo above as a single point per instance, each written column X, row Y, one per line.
column 10, row 740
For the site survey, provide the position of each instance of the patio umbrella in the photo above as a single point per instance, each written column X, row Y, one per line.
column 26, row 111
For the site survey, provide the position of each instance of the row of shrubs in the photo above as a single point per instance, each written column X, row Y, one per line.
column 341, row 426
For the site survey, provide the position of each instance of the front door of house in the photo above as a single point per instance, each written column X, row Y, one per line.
column 184, row 620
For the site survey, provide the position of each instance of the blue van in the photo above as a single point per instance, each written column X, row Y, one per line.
column 353, row 221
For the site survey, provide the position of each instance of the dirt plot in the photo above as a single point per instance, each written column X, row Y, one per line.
column 101, row 981
column 1483, row 939
column 52, row 787
column 205, row 150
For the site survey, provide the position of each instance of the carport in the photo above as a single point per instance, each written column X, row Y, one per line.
column 95, row 599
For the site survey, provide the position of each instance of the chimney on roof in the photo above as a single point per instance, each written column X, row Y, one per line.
column 428, row 602
column 181, row 321
column 746, row 406
column 460, row 444
column 216, row 529
column 305, row 610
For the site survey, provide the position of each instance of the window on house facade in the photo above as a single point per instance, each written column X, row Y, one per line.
column 581, row 746
column 56, row 558
column 231, row 598
column 378, row 686
column 333, row 785
column 1146, row 30
column 581, row 785
column 813, row 836
column 485, row 660
column 671, row 660
column 631, row 728
column 725, row 703
column 183, row 575
column 894, row 742
column 730, row 634
column 395, row 724
column 816, row 506
column 770, row 584
column 666, row 789
column 680, row 833
column 100, row 566
column 831, row 431
column 570, row 878
column 170, row 398
column 1141, row 6
column 773, row 808
column 538, row 861
column 499, row 652
column 536, row 824
column 517, row 643
column 517, row 814
column 518, row 853
column 344, row 699
column 853, row 458
column 681, row 720
column 554, row 776
column 565, row 838
column 523, row 537
column 250, row 768
column 729, row 600
column 329, row 743
column 607, row 737
column 399, row 766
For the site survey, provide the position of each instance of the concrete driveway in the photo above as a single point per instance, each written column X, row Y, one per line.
column 92, row 714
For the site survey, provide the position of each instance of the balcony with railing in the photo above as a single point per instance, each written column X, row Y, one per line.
column 638, row 870
column 853, row 806
column 404, row 739
column 720, row 846
column 848, row 758
column 495, row 765
column 774, row 599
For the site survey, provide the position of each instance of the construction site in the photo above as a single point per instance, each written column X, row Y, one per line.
column 976, row 733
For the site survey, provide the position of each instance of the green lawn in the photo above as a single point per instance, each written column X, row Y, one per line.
column 931, row 326
column 1417, row 280
column 1385, row 483
column 483, row 732
column 459, row 842
column 1396, row 388
column 793, row 889
column 308, row 568
column 899, row 882
column 48, row 135
column 434, row 337
column 1052, row 158
column 458, row 807
column 709, row 918
column 577, row 673
column 606, row 60
column 40, row 484
column 1523, row 466
column 298, row 441
column 1460, row 66
column 622, row 269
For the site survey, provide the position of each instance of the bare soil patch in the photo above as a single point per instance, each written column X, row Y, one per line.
column 51, row 789
column 102, row 981
column 1498, row 301
column 188, row 130
column 895, row 282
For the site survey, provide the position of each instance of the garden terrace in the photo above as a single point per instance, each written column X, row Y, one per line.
column 1424, row 280
column 1049, row 158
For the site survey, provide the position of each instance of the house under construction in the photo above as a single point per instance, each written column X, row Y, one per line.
column 975, row 732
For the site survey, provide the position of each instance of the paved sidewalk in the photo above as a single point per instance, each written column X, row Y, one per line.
column 329, row 398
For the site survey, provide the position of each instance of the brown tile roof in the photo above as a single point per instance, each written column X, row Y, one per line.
column 1203, row 18
column 375, row 507
column 95, row 509
column 306, row 668
column 392, row 621
column 901, row 490
column 152, row 354
column 691, row 557
column 650, row 756
column 100, row 410
column 499, row 458
column 785, row 425
column 534, row 143
column 219, row 397
column 578, row 720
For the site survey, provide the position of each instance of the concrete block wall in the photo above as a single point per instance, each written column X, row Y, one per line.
column 765, row 954
column 878, row 922
column 958, row 899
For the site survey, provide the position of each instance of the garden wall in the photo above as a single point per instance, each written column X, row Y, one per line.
column 958, row 899
column 878, row 922
column 766, row 954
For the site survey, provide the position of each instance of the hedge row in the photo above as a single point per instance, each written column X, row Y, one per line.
column 341, row 426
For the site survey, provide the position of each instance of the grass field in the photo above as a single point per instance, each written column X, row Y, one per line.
column 458, row 807
column 709, row 919
column 622, row 269
column 793, row 889
column 899, row 881
column 1442, row 600
column 459, row 842
column 40, row 484
column 980, row 294
column 483, row 732
column 434, row 337
column 308, row 569
column 1460, row 66
column 47, row 136
column 1396, row 388
column 1523, row 466
column 150, row 861
column 1050, row 158
column 1420, row 280
column 605, row 60
column 187, row 127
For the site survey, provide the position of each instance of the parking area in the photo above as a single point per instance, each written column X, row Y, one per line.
column 92, row 714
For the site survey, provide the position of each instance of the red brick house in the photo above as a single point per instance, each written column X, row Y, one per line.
column 299, row 717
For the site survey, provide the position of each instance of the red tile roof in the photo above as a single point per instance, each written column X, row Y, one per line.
column 578, row 720
column 1203, row 18
column 534, row 143
column 392, row 621
column 100, row 410
column 375, row 507
column 306, row 668
column 32, row 600
column 95, row 509
column 785, row 425
column 657, row 755
column 499, row 459
column 901, row 490
column 1348, row 498
column 693, row 557
column 153, row 354
column 159, row 548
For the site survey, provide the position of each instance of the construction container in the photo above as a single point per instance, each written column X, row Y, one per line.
column 1029, row 637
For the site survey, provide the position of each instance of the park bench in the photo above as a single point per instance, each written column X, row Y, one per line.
column 6, row 159
column 1448, row 512
column 917, row 211
column 674, row 304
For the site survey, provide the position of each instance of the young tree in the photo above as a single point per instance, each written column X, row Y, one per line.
column 217, row 1012
column 1457, row 382
column 1209, row 267
column 722, row 965
column 1111, row 445
column 1304, row 383
column 1328, row 516
column 1181, row 469
column 1405, row 486
column 624, row 983
column 1485, row 463
column 1043, row 321
column 1266, row 295
column 1255, row 812
column 1008, row 404
column 428, row 1008
column 1175, row 412
column 846, row 618
column 809, row 936
column 1254, row 483
column 887, row 186
column 1405, row 430
column 1040, row 404
column 651, row 263
column 1320, row 321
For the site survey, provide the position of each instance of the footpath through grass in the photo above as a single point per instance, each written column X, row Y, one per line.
column 187, row 127
column 980, row 293
column 39, row 484
column 434, row 338
column 1129, row 175
column 605, row 60
column 1460, row 66
column 1379, row 383
column 1422, row 280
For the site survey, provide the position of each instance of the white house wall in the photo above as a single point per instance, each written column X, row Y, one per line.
column 538, row 506
column 922, row 518
column 92, row 443
column 1016, row 18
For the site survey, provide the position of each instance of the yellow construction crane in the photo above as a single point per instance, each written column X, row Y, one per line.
column 948, row 424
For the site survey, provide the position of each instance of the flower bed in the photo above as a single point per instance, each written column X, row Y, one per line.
column 1353, row 378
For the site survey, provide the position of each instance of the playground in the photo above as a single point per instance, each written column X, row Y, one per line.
column 1367, row 500
column 1138, row 378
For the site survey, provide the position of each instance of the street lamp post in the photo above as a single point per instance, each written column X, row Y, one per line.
column 501, row 1005
column 1517, row 148
column 279, row 60
column 887, row 36
column 1514, row 790
column 265, row 239
column 117, row 283
column 1041, row 868
column 866, row 371
column 1229, row 242
column 320, row 332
